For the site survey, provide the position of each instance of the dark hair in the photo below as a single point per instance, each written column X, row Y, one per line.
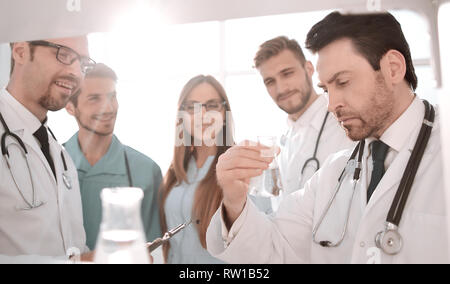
column 274, row 46
column 373, row 35
column 100, row 71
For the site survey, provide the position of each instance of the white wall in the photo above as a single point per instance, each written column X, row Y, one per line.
column 444, row 21
column 4, row 64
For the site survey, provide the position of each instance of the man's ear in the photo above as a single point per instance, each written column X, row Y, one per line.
column 70, row 108
column 393, row 65
column 309, row 67
column 20, row 52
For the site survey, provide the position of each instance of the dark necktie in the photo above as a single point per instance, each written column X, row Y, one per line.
column 379, row 152
column 42, row 135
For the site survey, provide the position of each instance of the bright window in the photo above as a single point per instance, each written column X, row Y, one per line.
column 154, row 63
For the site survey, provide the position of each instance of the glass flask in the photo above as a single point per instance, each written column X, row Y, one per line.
column 121, row 239
column 268, row 184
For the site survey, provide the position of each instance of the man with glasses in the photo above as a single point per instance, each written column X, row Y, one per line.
column 102, row 160
column 40, row 209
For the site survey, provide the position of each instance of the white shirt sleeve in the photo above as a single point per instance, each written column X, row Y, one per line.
column 228, row 236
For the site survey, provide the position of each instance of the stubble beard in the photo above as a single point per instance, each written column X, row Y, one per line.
column 91, row 130
column 377, row 114
column 305, row 96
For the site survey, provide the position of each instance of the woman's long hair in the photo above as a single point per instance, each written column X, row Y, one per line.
column 208, row 195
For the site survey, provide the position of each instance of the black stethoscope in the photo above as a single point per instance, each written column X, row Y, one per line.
column 389, row 240
column 127, row 166
column 313, row 160
column 128, row 169
column 33, row 204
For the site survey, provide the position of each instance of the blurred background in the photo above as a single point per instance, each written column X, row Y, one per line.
column 157, row 46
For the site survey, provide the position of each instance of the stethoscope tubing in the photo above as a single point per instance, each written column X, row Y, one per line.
column 316, row 147
column 400, row 199
column 399, row 202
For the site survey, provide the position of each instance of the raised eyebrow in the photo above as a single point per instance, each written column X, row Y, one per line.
column 337, row 75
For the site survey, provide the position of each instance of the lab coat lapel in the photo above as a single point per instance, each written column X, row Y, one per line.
column 394, row 174
column 32, row 145
column 16, row 126
column 56, row 151
column 391, row 178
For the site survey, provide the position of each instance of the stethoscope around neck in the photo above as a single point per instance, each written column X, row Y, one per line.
column 389, row 240
column 127, row 168
column 23, row 149
column 314, row 161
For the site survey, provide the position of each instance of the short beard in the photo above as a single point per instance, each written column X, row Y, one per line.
column 49, row 103
column 93, row 131
column 379, row 112
column 305, row 96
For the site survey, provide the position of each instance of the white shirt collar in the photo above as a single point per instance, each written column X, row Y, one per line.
column 28, row 120
column 310, row 116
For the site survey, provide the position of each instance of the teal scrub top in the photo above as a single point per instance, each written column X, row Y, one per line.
column 109, row 172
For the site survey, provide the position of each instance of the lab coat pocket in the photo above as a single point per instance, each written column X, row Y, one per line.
column 423, row 234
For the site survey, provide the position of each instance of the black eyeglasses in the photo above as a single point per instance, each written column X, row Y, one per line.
column 67, row 56
column 196, row 107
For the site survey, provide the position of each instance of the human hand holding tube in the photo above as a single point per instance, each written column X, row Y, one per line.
column 234, row 170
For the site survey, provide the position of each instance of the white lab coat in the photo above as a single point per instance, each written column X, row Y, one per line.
column 299, row 142
column 57, row 226
column 287, row 238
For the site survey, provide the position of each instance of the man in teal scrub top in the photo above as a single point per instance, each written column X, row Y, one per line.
column 102, row 161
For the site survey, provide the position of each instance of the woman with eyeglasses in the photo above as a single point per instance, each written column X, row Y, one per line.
column 190, row 191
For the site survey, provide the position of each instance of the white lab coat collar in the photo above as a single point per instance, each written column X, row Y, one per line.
column 24, row 125
column 27, row 120
column 310, row 116
column 410, row 120
column 400, row 136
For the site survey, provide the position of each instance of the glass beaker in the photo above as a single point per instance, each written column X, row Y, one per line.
column 268, row 184
column 121, row 239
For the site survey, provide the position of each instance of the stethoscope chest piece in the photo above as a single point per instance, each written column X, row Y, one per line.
column 389, row 241
column 283, row 140
column 351, row 166
column 67, row 181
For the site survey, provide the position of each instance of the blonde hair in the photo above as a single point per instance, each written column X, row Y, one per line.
column 275, row 46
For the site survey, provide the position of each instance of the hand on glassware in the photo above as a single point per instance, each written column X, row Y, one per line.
column 234, row 170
